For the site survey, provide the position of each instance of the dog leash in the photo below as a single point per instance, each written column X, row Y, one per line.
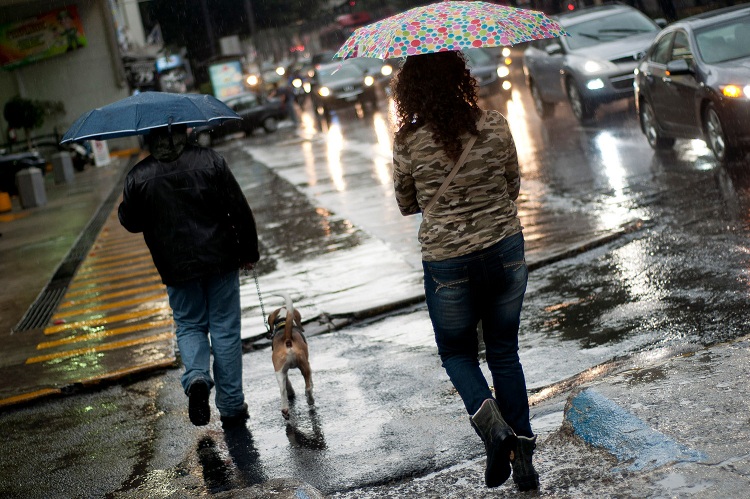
column 260, row 299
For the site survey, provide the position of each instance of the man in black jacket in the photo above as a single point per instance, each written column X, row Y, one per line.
column 200, row 231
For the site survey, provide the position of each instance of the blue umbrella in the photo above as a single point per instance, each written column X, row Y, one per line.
column 137, row 114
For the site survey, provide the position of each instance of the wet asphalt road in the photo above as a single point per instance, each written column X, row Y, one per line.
column 385, row 410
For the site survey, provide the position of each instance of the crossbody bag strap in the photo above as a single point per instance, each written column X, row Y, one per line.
column 458, row 165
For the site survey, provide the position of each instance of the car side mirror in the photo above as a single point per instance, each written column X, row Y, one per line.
column 661, row 22
column 679, row 67
column 553, row 49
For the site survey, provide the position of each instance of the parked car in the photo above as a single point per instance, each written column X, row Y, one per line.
column 592, row 66
column 257, row 111
column 695, row 83
column 340, row 85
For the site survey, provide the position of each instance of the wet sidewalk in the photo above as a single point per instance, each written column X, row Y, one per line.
column 657, row 425
column 103, row 296
column 644, row 427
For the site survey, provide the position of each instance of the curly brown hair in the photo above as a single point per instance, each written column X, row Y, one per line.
column 437, row 90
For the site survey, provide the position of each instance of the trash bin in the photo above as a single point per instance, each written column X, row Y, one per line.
column 31, row 187
column 5, row 203
column 62, row 167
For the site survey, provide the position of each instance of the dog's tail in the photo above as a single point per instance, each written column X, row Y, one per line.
column 289, row 319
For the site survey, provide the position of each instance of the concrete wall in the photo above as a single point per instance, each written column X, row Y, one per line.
column 83, row 79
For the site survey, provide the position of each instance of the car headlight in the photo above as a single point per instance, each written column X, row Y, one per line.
column 297, row 83
column 592, row 66
column 386, row 70
column 369, row 80
column 735, row 91
column 307, row 87
column 595, row 84
column 506, row 52
column 252, row 80
column 324, row 91
column 503, row 71
column 280, row 71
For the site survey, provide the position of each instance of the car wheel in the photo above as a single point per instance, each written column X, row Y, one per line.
column 270, row 124
column 583, row 110
column 648, row 124
column 543, row 109
column 327, row 115
column 204, row 139
column 716, row 137
column 368, row 105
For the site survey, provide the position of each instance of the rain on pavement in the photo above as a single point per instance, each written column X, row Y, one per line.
column 623, row 243
column 582, row 187
column 113, row 320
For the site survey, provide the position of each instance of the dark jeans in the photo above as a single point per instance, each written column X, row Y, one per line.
column 205, row 307
column 488, row 286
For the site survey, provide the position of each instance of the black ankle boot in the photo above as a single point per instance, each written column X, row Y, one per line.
column 198, row 408
column 524, row 474
column 499, row 441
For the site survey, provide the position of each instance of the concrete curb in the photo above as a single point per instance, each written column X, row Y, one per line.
column 324, row 322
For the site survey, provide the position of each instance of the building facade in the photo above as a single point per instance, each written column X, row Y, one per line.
column 68, row 51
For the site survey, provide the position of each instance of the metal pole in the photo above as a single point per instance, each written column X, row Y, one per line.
column 209, row 27
column 250, row 18
column 251, row 25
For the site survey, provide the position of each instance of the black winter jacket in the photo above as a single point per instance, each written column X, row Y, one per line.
column 193, row 215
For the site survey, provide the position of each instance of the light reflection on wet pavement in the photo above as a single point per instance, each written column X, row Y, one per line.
column 678, row 281
column 113, row 321
column 579, row 186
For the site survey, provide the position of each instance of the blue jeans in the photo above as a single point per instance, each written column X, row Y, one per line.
column 211, row 305
column 488, row 286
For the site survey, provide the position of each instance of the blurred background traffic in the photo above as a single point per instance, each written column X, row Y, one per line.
column 272, row 62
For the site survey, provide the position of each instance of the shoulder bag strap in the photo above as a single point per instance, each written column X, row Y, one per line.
column 458, row 165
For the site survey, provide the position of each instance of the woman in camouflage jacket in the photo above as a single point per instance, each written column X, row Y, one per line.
column 472, row 248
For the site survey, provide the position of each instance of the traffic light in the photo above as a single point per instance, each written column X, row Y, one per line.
column 571, row 5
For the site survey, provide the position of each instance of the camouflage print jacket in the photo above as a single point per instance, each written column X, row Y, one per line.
column 478, row 209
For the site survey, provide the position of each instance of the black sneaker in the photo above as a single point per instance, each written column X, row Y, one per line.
column 198, row 409
column 237, row 420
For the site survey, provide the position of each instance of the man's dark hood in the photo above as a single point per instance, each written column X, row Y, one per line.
column 166, row 145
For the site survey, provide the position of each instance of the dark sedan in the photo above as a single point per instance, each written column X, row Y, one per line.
column 694, row 83
column 257, row 111
column 491, row 71
column 340, row 85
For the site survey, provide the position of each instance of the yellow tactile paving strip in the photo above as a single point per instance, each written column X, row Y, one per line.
column 113, row 321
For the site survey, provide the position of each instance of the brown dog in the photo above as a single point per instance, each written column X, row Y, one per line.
column 289, row 351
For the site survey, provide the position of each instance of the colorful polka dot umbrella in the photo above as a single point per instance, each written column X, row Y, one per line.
column 448, row 25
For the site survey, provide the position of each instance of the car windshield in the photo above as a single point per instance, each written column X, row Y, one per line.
column 368, row 64
column 244, row 102
column 336, row 72
column 477, row 57
column 607, row 29
column 724, row 42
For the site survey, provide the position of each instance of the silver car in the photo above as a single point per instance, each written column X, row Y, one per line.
column 592, row 66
